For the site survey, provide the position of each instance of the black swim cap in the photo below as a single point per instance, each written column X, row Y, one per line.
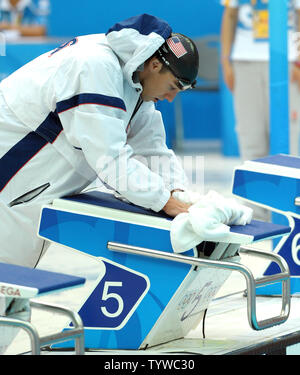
column 180, row 55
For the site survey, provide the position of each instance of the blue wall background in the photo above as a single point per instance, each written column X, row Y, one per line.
column 195, row 18
column 78, row 17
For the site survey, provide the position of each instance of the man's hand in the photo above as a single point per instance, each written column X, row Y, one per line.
column 174, row 207
column 228, row 74
column 295, row 76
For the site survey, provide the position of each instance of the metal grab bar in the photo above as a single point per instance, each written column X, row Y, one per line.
column 251, row 283
column 26, row 326
column 283, row 277
column 76, row 333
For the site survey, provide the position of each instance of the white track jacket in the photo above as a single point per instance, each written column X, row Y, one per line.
column 66, row 119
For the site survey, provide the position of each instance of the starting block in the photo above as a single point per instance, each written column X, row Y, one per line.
column 273, row 182
column 146, row 294
column 26, row 283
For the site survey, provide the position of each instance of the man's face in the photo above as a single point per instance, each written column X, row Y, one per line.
column 157, row 85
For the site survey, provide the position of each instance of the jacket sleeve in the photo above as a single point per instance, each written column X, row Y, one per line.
column 148, row 140
column 93, row 116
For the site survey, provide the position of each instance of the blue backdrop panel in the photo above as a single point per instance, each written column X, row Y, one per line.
column 228, row 134
column 279, row 81
column 194, row 18
column 201, row 116
column 20, row 53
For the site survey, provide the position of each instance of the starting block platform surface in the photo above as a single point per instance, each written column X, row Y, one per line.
column 22, row 282
column 145, row 294
column 25, row 283
column 96, row 202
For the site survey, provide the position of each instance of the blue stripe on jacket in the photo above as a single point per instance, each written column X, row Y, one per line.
column 50, row 128
column 99, row 99
column 144, row 24
column 18, row 156
column 24, row 150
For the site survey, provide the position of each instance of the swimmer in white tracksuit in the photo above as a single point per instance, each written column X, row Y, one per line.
column 85, row 111
column 76, row 113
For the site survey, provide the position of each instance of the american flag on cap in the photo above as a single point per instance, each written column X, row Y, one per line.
column 176, row 46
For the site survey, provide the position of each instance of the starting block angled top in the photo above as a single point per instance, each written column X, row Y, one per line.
column 103, row 205
column 23, row 282
column 272, row 182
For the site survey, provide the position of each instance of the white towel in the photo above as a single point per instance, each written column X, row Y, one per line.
column 207, row 220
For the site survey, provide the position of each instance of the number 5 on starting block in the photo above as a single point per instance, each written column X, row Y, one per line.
column 115, row 298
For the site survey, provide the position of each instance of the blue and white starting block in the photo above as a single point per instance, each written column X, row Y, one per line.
column 26, row 283
column 146, row 294
column 273, row 182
